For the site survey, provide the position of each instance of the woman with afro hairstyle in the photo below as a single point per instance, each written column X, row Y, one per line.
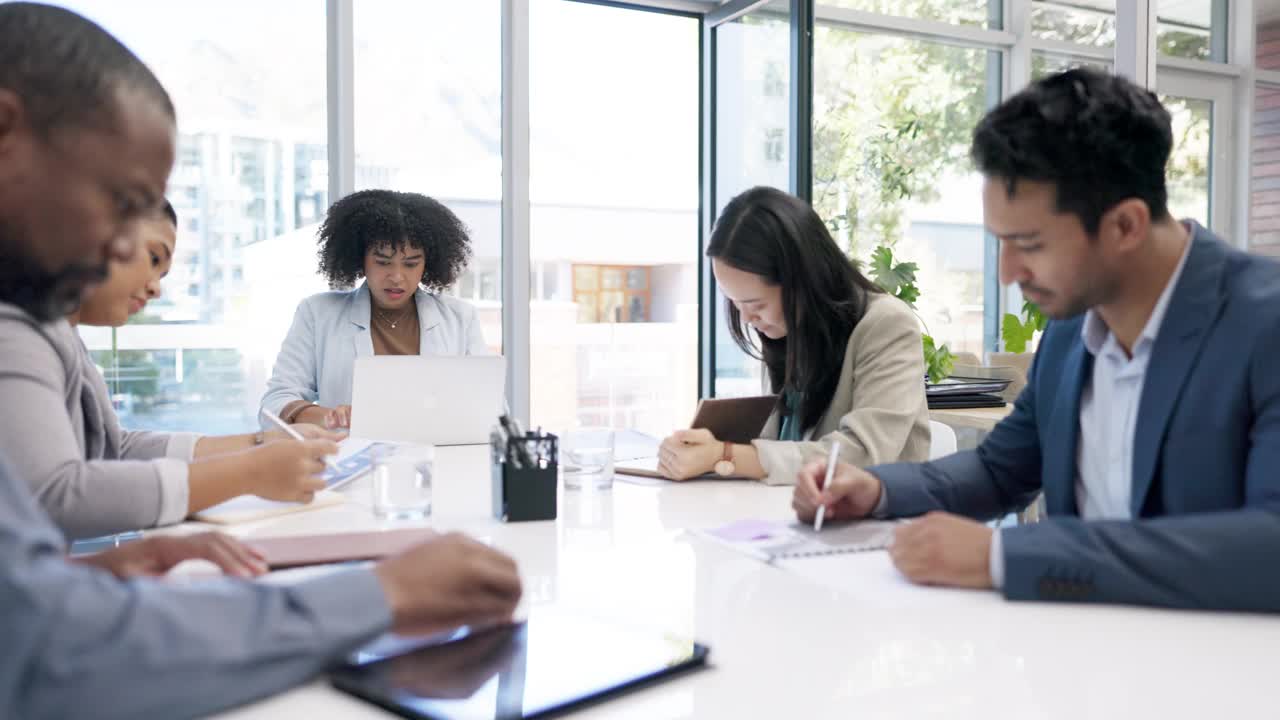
column 407, row 248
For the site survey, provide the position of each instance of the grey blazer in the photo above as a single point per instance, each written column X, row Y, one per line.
column 878, row 412
column 61, row 435
column 330, row 330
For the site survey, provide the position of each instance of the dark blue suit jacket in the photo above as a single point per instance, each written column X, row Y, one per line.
column 1206, row 457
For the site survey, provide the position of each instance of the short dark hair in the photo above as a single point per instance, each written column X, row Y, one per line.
column 767, row 232
column 170, row 214
column 1098, row 138
column 393, row 220
column 66, row 68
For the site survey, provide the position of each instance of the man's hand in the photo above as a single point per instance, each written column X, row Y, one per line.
column 944, row 549
column 158, row 554
column 447, row 582
column 689, row 453
column 853, row 493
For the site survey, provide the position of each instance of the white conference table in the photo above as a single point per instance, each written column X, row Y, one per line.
column 828, row 638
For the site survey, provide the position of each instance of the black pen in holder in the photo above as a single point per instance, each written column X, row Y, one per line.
column 524, row 474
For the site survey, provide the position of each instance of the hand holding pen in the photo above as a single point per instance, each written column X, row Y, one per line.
column 832, row 456
column 846, row 492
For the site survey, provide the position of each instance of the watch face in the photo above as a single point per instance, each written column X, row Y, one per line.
column 724, row 467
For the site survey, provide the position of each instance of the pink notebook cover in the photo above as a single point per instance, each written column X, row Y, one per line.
column 298, row 550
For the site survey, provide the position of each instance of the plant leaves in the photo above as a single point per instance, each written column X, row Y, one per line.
column 1031, row 314
column 938, row 361
column 1015, row 333
column 896, row 278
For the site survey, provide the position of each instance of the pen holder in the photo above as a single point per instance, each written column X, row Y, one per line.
column 524, row 475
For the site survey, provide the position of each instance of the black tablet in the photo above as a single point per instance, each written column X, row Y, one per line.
column 554, row 662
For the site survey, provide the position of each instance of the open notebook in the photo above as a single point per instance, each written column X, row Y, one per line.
column 770, row 541
column 251, row 508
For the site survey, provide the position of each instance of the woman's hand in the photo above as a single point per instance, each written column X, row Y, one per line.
column 330, row 418
column 307, row 431
column 689, row 453
column 288, row 470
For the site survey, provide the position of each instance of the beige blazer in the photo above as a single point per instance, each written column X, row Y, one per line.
column 878, row 413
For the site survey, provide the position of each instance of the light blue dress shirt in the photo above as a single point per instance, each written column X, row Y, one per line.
column 80, row 643
column 330, row 330
column 1108, row 418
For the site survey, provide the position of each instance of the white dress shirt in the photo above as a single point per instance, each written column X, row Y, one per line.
column 1108, row 417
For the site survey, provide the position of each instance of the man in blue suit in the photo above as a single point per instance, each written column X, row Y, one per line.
column 1151, row 417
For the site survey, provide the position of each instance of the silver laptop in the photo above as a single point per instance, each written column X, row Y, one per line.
column 442, row 400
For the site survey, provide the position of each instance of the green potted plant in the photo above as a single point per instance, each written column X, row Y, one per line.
column 899, row 280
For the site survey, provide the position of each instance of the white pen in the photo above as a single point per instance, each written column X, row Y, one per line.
column 826, row 484
column 275, row 419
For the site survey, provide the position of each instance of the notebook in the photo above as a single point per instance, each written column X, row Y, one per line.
column 736, row 420
column 301, row 550
column 770, row 541
column 248, row 508
column 354, row 460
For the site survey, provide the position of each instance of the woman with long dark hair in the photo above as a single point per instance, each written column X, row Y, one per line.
column 845, row 358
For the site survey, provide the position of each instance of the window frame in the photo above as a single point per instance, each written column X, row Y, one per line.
column 1230, row 188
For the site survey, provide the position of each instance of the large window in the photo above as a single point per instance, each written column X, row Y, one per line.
column 753, row 129
column 1193, row 29
column 428, row 119
column 1081, row 22
column 250, row 175
column 1191, row 161
column 614, row 218
column 1046, row 64
column 893, row 118
column 614, row 170
column 982, row 13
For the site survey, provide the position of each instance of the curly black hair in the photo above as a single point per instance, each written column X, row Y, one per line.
column 1098, row 138
column 392, row 220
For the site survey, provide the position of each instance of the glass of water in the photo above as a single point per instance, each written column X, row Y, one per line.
column 586, row 459
column 402, row 481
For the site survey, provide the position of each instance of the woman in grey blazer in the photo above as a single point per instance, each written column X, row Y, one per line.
column 845, row 357
column 90, row 475
column 408, row 248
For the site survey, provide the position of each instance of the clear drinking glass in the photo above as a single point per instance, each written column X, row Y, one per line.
column 586, row 458
column 402, row 481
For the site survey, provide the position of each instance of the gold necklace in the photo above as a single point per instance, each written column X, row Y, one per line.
column 388, row 320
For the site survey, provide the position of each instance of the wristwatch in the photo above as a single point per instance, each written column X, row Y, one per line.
column 725, row 467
